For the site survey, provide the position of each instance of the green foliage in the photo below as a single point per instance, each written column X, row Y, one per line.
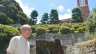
column 76, row 31
column 6, row 33
column 76, row 26
column 40, row 31
column 22, row 18
column 64, row 30
column 4, row 19
column 12, row 11
column 47, row 31
column 91, row 20
column 51, row 27
column 54, row 17
column 66, row 24
column 95, row 30
column 80, row 30
column 72, row 30
column 34, row 15
column 30, row 22
column 93, row 10
column 90, row 36
column 55, row 30
column 33, row 29
column 44, row 19
column 76, row 16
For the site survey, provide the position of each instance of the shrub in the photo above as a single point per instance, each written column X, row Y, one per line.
column 66, row 24
column 90, row 36
column 33, row 29
column 85, row 28
column 64, row 30
column 76, row 31
column 40, row 31
column 51, row 27
column 76, row 26
column 72, row 30
column 80, row 30
column 82, row 24
column 55, row 30
column 47, row 31
column 91, row 28
column 95, row 30
column 6, row 33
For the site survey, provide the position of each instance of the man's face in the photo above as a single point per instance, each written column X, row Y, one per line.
column 26, row 32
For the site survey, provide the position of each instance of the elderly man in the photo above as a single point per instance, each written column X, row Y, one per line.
column 20, row 44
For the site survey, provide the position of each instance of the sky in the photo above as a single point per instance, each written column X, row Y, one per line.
column 64, row 7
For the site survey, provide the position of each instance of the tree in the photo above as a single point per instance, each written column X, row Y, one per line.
column 44, row 19
column 91, row 20
column 30, row 22
column 34, row 15
column 12, row 9
column 76, row 16
column 4, row 19
column 22, row 18
column 93, row 11
column 54, row 17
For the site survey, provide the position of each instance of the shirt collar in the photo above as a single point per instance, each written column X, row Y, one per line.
column 23, row 38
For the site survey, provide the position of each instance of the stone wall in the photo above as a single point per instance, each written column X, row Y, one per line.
column 66, row 39
column 67, row 42
column 72, row 49
column 80, row 49
column 32, row 49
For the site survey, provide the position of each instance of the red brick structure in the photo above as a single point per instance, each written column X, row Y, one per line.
column 64, row 20
column 83, row 5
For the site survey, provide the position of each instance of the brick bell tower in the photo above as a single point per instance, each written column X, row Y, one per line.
column 83, row 5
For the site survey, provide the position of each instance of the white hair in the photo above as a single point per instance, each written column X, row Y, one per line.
column 25, row 26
